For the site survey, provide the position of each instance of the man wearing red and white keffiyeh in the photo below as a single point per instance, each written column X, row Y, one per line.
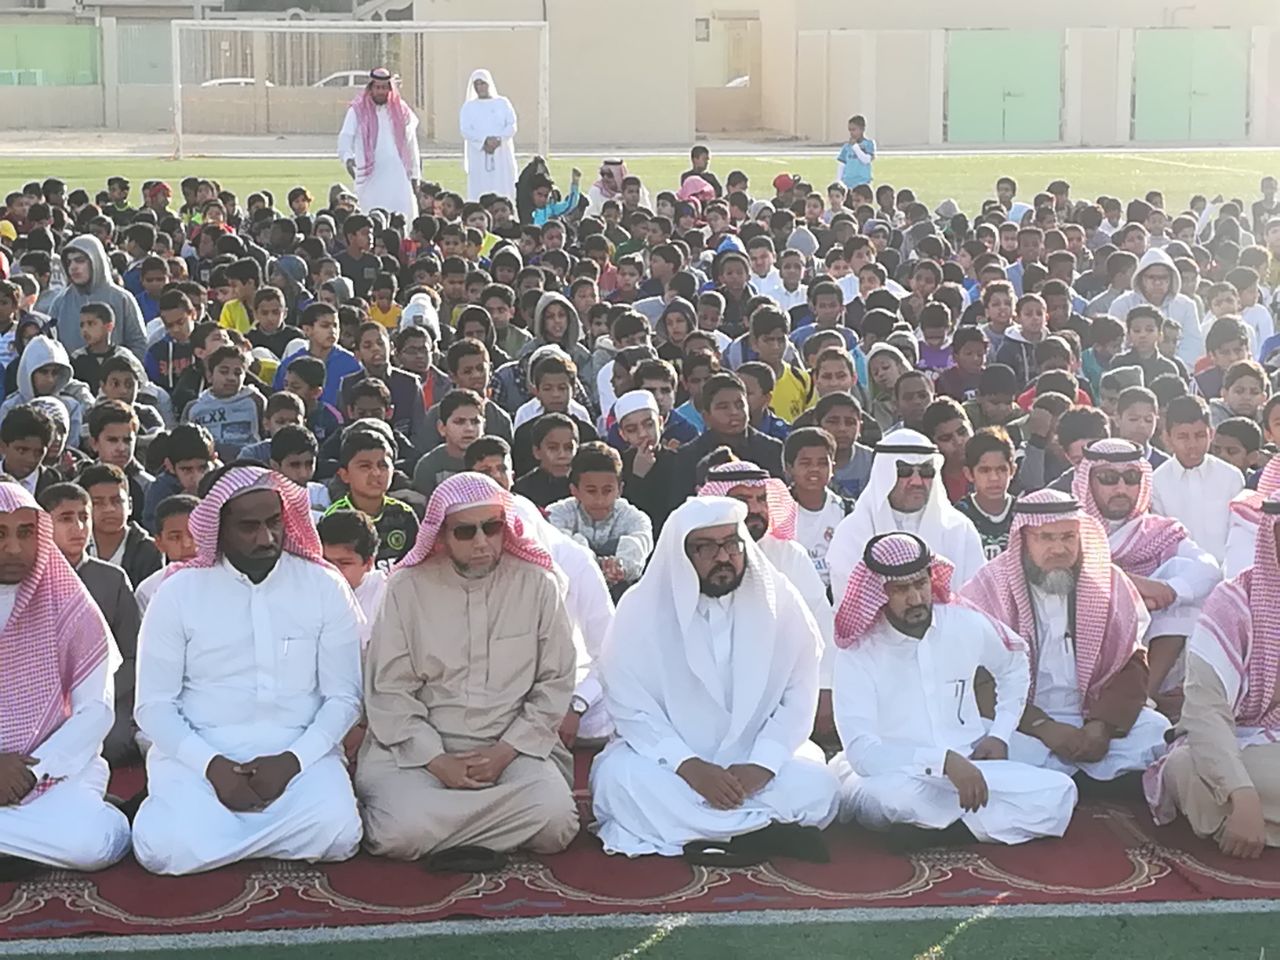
column 56, row 703
column 916, row 751
column 1246, row 515
column 468, row 677
column 1223, row 772
column 248, row 680
column 771, row 521
column 1083, row 621
column 1172, row 574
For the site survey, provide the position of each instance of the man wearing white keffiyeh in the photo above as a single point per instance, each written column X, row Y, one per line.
column 916, row 751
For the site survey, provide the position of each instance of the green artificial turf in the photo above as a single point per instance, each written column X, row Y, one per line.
column 1174, row 937
column 966, row 178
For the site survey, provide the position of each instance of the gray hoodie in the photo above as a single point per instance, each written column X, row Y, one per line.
column 74, row 394
column 1177, row 306
column 233, row 421
column 129, row 331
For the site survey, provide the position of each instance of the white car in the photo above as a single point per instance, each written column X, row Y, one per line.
column 234, row 82
column 344, row 78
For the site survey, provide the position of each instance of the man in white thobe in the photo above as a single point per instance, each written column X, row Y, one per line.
column 56, row 705
column 1172, row 573
column 1083, row 622
column 771, row 521
column 248, row 679
column 905, row 493
column 917, row 754
column 488, row 124
column 711, row 676
column 379, row 147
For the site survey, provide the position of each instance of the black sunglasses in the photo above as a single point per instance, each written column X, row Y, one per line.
column 467, row 531
column 926, row 471
column 1110, row 478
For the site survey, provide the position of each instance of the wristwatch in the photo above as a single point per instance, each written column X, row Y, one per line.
column 578, row 705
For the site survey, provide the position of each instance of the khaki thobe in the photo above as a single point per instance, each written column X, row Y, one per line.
column 457, row 664
column 1202, row 776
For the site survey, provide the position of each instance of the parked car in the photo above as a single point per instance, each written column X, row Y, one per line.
column 234, row 82
column 344, row 78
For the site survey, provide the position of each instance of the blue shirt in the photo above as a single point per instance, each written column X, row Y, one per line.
column 855, row 171
column 339, row 363
column 692, row 416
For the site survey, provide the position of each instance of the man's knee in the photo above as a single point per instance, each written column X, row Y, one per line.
column 95, row 840
column 558, row 814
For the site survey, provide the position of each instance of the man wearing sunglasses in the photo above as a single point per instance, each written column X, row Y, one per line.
column 468, row 676
column 1083, row 622
column 905, row 493
column 1172, row 574
column 711, row 676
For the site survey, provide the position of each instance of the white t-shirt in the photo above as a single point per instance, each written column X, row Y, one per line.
column 814, row 529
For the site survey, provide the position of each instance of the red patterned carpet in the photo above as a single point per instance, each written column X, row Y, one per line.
column 1112, row 853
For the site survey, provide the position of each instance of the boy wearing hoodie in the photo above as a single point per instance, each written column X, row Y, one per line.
column 44, row 370
column 97, row 321
column 1156, row 283
column 88, row 274
column 228, row 409
column 172, row 353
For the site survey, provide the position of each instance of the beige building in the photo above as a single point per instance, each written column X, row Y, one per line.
column 665, row 72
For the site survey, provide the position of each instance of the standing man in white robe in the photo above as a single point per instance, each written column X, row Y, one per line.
column 711, row 676
column 488, row 125
column 379, row 147
column 1173, row 575
column 1083, row 621
column 56, row 704
column 905, row 492
column 917, row 754
column 248, row 679
column 771, row 521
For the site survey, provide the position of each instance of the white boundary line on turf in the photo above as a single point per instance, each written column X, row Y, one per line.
column 739, row 918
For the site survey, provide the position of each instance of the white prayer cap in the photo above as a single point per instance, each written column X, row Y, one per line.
column 634, row 401
column 421, row 311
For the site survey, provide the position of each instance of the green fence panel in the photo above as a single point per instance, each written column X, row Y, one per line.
column 1190, row 85
column 49, row 55
column 1004, row 86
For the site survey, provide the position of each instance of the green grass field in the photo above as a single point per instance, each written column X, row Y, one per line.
column 1215, row 937
column 966, row 178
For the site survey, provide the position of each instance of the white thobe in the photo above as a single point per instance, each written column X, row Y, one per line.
column 494, row 172
column 389, row 185
column 369, row 595
column 1242, row 538
column 231, row 668
column 1199, row 498
column 902, row 704
column 1191, row 573
column 792, row 561
column 749, row 712
column 1058, row 695
column 70, row 825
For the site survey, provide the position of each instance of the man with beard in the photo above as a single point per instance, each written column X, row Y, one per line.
column 1172, row 574
column 711, row 677
column 248, row 679
column 905, row 493
column 379, row 147
column 56, row 699
column 469, row 674
column 1223, row 773
column 1083, row 622
column 917, row 754
column 771, row 510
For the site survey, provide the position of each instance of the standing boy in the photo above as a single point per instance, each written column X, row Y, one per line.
column 853, row 164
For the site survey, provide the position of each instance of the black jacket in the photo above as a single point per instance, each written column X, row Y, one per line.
column 764, row 451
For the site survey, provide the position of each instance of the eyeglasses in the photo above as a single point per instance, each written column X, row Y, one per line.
column 1111, row 478
column 925, row 471
column 706, row 550
column 467, row 531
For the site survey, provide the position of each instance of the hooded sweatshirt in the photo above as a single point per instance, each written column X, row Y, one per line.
column 1019, row 353
column 1176, row 306
column 571, row 342
column 74, row 394
column 129, row 330
column 231, row 421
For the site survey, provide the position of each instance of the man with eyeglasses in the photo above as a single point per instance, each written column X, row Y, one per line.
column 919, row 761
column 1083, row 622
column 1172, row 574
column 468, row 677
column 711, row 677
column 905, row 493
